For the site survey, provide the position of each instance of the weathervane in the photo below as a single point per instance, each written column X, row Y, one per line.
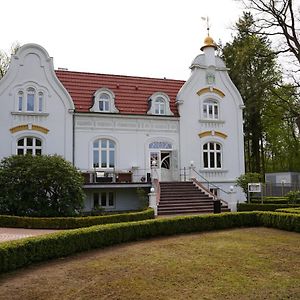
column 206, row 19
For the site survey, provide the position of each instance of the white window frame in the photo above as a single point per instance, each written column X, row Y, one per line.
column 107, row 198
column 213, row 106
column 107, row 149
column 25, row 147
column 215, row 154
column 22, row 99
column 110, row 100
column 159, row 105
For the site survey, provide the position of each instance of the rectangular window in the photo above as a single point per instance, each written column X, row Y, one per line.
column 106, row 106
column 212, row 160
column 20, row 152
column 96, row 199
column 103, row 199
column 96, row 159
column 40, row 104
column 216, row 112
column 30, row 102
column 111, row 201
column 205, row 158
column 103, row 159
column 218, row 160
column 111, row 159
column 20, row 108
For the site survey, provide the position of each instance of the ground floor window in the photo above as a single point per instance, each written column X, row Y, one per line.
column 29, row 145
column 104, row 199
column 212, row 156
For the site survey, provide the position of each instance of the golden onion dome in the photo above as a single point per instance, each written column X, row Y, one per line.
column 209, row 42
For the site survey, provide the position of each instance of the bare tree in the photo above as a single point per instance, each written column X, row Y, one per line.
column 5, row 58
column 280, row 21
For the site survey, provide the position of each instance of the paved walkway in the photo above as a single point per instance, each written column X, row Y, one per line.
column 9, row 234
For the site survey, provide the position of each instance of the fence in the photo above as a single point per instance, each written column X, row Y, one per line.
column 278, row 189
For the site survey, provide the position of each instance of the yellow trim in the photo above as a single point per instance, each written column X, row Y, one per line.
column 212, row 133
column 26, row 127
column 211, row 90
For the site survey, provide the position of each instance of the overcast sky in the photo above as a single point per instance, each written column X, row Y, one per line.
column 157, row 38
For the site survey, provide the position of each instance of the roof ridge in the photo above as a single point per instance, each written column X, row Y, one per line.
column 118, row 75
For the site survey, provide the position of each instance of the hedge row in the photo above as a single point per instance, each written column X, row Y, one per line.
column 289, row 210
column 73, row 222
column 20, row 253
column 271, row 200
column 263, row 207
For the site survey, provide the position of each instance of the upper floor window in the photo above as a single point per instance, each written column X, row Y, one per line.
column 212, row 156
column 159, row 104
column 210, row 110
column 30, row 101
column 29, row 145
column 104, row 153
column 104, row 101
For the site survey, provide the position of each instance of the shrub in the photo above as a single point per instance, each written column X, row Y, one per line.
column 289, row 210
column 23, row 252
column 39, row 186
column 271, row 200
column 293, row 197
column 244, row 179
column 262, row 207
column 73, row 222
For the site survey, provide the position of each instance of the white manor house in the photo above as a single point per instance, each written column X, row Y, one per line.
column 127, row 134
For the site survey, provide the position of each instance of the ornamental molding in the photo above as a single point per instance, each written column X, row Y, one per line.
column 24, row 127
column 211, row 90
column 212, row 133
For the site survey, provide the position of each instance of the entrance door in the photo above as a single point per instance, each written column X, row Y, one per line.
column 165, row 166
column 162, row 159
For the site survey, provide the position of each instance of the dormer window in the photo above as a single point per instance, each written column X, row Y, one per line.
column 104, row 101
column 159, row 104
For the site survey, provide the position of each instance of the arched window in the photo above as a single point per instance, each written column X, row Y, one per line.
column 210, row 110
column 29, row 145
column 30, row 99
column 104, row 154
column 104, row 101
column 160, row 106
column 212, row 156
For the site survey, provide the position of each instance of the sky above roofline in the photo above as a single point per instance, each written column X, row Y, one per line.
column 157, row 38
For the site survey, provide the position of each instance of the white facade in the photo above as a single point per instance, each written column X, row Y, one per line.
column 37, row 108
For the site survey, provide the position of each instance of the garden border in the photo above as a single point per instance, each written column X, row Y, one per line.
column 16, row 254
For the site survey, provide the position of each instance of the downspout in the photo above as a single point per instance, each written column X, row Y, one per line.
column 73, row 138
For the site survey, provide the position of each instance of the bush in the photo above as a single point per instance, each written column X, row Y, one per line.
column 293, row 197
column 20, row 253
column 244, row 179
column 262, row 207
column 271, row 200
column 289, row 210
column 39, row 186
column 73, row 222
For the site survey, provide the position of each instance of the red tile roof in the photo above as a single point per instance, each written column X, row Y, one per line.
column 131, row 93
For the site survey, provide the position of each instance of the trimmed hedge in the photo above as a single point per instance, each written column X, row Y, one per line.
column 263, row 207
column 23, row 252
column 73, row 222
column 289, row 210
column 271, row 200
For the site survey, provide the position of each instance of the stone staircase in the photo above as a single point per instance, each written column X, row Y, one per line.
column 184, row 198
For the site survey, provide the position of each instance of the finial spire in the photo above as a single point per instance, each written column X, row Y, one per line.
column 206, row 19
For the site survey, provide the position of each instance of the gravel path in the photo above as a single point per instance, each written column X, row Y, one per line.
column 9, row 234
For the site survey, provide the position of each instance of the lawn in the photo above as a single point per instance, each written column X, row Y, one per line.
column 254, row 263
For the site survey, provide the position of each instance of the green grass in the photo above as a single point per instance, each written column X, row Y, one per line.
column 254, row 263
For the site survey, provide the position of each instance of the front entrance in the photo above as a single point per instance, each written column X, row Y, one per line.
column 162, row 160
